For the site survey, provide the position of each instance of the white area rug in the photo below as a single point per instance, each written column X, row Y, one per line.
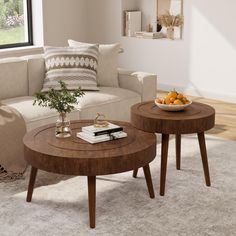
column 59, row 205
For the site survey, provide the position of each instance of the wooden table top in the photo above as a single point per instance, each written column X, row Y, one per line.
column 195, row 118
column 74, row 156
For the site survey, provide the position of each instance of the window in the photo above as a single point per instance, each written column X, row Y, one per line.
column 15, row 23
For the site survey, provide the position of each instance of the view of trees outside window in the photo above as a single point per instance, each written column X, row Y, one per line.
column 13, row 22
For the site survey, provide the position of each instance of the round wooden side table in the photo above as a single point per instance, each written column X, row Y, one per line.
column 73, row 156
column 197, row 118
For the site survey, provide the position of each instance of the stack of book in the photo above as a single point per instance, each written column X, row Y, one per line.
column 150, row 35
column 93, row 134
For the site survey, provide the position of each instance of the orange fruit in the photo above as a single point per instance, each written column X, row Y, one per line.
column 178, row 102
column 175, row 98
column 172, row 94
column 167, row 100
column 180, row 96
column 158, row 100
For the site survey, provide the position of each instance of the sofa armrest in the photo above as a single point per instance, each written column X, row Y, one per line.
column 142, row 83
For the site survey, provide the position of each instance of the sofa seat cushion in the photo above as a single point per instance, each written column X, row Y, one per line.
column 115, row 103
column 34, row 116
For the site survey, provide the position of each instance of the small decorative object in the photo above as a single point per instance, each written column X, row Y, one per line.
column 170, row 21
column 159, row 27
column 149, row 28
column 63, row 101
column 173, row 101
column 100, row 122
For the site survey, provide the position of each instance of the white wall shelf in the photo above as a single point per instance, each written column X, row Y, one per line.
column 150, row 9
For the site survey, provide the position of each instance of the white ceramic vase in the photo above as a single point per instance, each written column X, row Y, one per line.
column 170, row 33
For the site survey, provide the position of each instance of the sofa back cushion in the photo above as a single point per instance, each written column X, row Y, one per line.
column 77, row 67
column 108, row 65
column 13, row 78
column 36, row 73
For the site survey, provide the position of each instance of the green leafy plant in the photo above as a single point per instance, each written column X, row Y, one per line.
column 3, row 16
column 62, row 100
column 10, row 9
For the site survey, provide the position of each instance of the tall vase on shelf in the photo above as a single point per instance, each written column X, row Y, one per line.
column 170, row 33
column 170, row 22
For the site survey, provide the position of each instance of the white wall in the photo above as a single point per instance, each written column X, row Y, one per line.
column 54, row 22
column 37, row 18
column 64, row 19
column 203, row 63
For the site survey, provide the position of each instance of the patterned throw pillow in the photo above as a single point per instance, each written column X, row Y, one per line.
column 77, row 67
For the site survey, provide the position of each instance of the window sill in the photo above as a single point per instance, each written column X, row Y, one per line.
column 20, row 51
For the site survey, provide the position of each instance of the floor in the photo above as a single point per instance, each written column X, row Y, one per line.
column 59, row 205
column 225, row 116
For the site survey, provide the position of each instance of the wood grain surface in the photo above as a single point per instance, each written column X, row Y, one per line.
column 225, row 123
column 196, row 118
column 74, row 156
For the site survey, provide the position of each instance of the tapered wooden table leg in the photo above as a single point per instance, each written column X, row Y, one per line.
column 148, row 177
column 164, row 156
column 178, row 150
column 33, row 174
column 202, row 144
column 92, row 200
column 135, row 173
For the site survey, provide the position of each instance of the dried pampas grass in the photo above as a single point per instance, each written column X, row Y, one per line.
column 169, row 20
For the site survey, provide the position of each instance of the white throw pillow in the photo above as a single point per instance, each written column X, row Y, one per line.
column 77, row 67
column 107, row 73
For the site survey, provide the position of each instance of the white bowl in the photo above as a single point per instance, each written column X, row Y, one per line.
column 172, row 107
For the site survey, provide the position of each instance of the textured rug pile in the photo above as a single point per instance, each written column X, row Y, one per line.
column 59, row 205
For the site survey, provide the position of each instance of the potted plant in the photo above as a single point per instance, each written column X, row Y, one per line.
column 170, row 21
column 64, row 102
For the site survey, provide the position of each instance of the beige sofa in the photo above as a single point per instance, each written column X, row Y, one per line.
column 22, row 77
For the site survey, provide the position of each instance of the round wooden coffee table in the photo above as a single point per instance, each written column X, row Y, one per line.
column 197, row 118
column 73, row 156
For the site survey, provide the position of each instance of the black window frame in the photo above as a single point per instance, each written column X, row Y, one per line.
column 30, row 30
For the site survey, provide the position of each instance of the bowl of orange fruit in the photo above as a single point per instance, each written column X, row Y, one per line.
column 173, row 101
